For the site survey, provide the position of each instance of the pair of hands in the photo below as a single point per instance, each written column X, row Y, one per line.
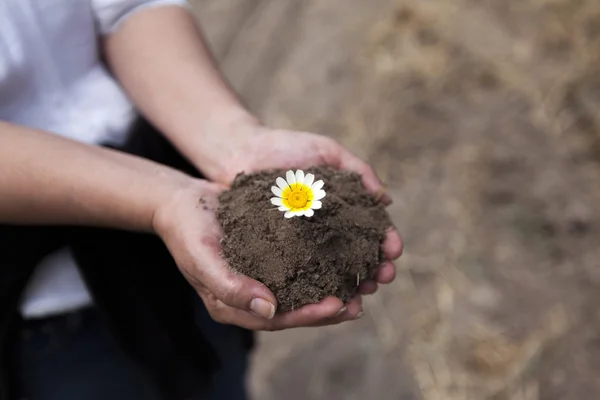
column 192, row 233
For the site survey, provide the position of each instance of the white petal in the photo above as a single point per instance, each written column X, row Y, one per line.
column 281, row 183
column 309, row 213
column 283, row 208
column 289, row 214
column 309, row 179
column 299, row 176
column 319, row 194
column 317, row 185
column 316, row 205
column 276, row 201
column 290, row 177
column 277, row 191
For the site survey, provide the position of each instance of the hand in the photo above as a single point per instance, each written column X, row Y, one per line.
column 257, row 148
column 187, row 225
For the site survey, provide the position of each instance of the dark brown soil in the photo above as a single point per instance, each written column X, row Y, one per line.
column 302, row 260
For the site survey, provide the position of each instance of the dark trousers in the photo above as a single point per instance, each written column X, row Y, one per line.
column 148, row 337
column 75, row 357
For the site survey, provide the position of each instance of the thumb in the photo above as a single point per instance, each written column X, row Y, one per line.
column 370, row 180
column 234, row 289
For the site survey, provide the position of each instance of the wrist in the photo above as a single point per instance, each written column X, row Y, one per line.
column 189, row 193
column 147, row 193
column 223, row 143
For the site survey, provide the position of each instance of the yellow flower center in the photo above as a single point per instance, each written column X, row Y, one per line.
column 297, row 197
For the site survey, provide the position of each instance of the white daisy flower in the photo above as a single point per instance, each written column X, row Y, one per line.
column 298, row 195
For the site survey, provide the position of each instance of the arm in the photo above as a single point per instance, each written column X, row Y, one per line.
column 46, row 179
column 161, row 59
column 41, row 182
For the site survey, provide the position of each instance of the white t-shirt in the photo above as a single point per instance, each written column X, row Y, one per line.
column 51, row 78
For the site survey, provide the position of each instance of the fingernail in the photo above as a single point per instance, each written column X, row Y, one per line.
column 342, row 310
column 262, row 308
column 360, row 314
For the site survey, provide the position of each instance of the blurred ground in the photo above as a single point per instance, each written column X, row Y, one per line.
column 483, row 117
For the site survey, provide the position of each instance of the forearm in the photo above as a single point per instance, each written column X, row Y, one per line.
column 46, row 179
column 159, row 56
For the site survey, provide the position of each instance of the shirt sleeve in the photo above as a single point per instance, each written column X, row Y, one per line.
column 110, row 14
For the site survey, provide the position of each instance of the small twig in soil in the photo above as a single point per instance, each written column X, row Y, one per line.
column 357, row 278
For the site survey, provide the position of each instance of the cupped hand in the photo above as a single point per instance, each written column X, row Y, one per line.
column 258, row 148
column 188, row 226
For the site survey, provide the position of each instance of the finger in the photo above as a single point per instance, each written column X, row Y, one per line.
column 308, row 315
column 354, row 308
column 372, row 183
column 386, row 273
column 367, row 287
column 224, row 314
column 353, row 311
column 392, row 244
column 235, row 290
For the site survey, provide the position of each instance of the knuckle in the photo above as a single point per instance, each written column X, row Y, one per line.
column 230, row 293
column 221, row 313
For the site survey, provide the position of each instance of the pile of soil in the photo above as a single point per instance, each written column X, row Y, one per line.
column 302, row 260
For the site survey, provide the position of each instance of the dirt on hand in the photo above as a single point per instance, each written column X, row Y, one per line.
column 303, row 260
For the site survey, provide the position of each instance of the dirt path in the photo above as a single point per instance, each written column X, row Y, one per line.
column 483, row 118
